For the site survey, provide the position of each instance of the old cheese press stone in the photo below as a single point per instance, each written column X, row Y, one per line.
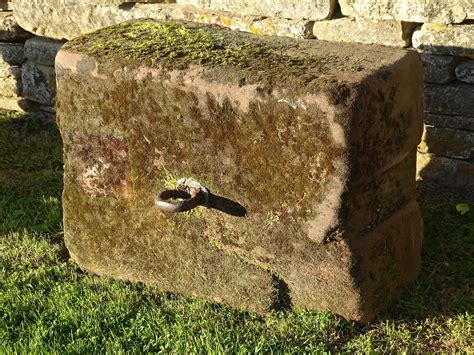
column 298, row 159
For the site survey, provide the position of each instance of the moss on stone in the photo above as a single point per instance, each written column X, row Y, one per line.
column 176, row 46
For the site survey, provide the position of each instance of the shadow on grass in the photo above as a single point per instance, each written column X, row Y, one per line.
column 30, row 192
column 445, row 286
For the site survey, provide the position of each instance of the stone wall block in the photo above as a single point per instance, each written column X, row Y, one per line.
column 61, row 19
column 445, row 39
column 454, row 173
column 451, row 99
column 439, row 68
column 446, row 142
column 253, row 24
column 12, row 53
column 303, row 9
column 456, row 122
column 9, row 29
column 42, row 50
column 39, row 83
column 390, row 33
column 465, row 71
column 436, row 11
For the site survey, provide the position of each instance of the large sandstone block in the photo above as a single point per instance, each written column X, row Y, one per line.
column 66, row 19
column 436, row 11
column 314, row 141
column 303, row 9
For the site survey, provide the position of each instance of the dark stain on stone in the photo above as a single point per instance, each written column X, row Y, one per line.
column 101, row 166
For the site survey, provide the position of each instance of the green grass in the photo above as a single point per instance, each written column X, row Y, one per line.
column 48, row 305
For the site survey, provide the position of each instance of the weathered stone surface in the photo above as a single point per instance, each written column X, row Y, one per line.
column 39, row 83
column 9, row 29
column 253, row 24
column 447, row 142
column 436, row 11
column 11, row 103
column 303, row 9
column 390, row 33
column 42, row 50
column 5, row 5
column 465, row 71
column 447, row 121
column 445, row 39
column 446, row 171
column 68, row 19
column 7, row 71
column 452, row 99
column 12, row 53
column 64, row 19
column 242, row 114
column 439, row 68
column 10, row 87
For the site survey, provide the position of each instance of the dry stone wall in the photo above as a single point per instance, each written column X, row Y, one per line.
column 31, row 32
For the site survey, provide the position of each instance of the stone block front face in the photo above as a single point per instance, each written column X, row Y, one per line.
column 315, row 140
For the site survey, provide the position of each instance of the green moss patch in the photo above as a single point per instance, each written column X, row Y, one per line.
column 176, row 46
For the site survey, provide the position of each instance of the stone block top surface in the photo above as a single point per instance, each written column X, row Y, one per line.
column 181, row 45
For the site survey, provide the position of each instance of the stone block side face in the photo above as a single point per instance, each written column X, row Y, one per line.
column 435, row 11
column 388, row 259
column 305, row 9
column 388, row 111
column 243, row 136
